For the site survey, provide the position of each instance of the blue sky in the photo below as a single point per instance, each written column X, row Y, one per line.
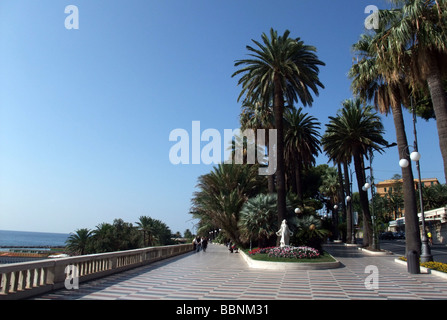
column 85, row 115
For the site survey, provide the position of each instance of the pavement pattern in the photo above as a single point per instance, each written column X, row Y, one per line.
column 219, row 274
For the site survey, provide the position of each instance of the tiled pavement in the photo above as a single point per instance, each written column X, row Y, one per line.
column 218, row 274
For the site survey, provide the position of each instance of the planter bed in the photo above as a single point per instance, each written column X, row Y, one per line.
column 263, row 261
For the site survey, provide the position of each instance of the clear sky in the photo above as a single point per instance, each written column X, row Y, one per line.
column 85, row 115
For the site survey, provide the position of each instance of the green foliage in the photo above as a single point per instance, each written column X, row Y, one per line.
column 434, row 197
column 438, row 266
column 119, row 235
column 258, row 219
column 221, row 195
column 78, row 242
column 310, row 232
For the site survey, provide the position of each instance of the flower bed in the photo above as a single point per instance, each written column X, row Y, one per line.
column 438, row 266
column 287, row 252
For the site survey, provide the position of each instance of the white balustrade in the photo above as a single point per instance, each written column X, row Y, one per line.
column 26, row 279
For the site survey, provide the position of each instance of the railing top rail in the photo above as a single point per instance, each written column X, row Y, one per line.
column 44, row 263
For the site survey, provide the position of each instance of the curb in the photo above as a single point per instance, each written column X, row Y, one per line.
column 255, row 264
column 376, row 253
column 424, row 270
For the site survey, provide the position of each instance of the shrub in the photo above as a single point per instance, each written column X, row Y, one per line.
column 310, row 232
column 438, row 266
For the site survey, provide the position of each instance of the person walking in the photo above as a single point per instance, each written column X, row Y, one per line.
column 198, row 244
column 204, row 243
column 430, row 239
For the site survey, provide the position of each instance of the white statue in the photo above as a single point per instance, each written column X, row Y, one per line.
column 285, row 233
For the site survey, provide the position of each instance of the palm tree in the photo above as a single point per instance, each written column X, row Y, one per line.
column 222, row 193
column 394, row 202
column 161, row 232
column 126, row 236
column 302, row 141
column 330, row 188
column 435, row 196
column 279, row 70
column 414, row 40
column 356, row 130
column 103, row 237
column 259, row 116
column 310, row 231
column 77, row 242
column 145, row 224
column 155, row 231
column 258, row 219
column 388, row 91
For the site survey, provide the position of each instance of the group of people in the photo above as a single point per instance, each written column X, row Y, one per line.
column 200, row 243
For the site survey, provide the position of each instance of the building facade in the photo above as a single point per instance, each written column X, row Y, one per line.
column 389, row 186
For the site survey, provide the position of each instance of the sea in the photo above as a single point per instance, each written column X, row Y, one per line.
column 10, row 240
column 27, row 239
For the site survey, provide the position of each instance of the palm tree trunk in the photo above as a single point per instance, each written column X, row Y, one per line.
column 349, row 220
column 270, row 178
column 280, row 172
column 299, row 189
column 359, row 173
column 439, row 100
column 412, row 234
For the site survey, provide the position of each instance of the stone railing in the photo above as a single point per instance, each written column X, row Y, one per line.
column 26, row 279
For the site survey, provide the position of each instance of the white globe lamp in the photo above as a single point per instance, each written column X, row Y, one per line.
column 415, row 156
column 403, row 163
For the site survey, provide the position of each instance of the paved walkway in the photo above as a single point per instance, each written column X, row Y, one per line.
column 218, row 274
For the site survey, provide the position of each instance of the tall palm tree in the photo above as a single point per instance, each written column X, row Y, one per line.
column 145, row 224
column 414, row 40
column 77, row 242
column 355, row 130
column 330, row 186
column 388, row 90
column 344, row 160
column 281, row 70
column 330, row 189
column 302, row 140
column 259, row 116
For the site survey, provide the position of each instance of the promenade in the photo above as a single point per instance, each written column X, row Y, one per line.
column 218, row 274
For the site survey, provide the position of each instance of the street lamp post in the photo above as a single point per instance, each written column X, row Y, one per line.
column 349, row 200
column 375, row 244
column 416, row 156
column 366, row 186
column 371, row 185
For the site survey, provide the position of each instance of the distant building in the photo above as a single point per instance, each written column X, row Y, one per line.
column 383, row 187
column 393, row 186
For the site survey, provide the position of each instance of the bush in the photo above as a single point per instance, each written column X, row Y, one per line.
column 310, row 233
column 438, row 266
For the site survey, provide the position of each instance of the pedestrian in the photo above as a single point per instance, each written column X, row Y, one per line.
column 204, row 244
column 430, row 240
column 194, row 243
column 198, row 244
